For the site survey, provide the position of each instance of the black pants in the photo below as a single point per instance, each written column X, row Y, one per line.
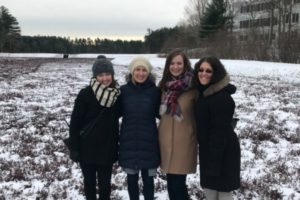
column 92, row 173
column 177, row 188
column 133, row 187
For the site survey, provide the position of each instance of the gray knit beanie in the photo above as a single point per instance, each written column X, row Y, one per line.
column 101, row 56
column 102, row 65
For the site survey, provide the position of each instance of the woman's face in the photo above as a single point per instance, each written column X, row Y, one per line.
column 140, row 74
column 176, row 66
column 205, row 73
column 104, row 78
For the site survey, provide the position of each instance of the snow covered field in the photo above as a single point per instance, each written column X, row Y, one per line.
column 34, row 163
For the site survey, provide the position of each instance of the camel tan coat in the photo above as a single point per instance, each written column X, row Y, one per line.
column 178, row 142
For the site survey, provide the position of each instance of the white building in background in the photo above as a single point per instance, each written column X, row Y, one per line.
column 256, row 14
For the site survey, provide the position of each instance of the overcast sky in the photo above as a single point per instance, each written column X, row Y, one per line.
column 125, row 19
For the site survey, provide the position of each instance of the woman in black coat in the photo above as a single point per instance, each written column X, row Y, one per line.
column 96, row 150
column 139, row 147
column 219, row 149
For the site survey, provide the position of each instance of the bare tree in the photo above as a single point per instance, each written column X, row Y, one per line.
column 187, row 35
column 288, row 39
column 194, row 11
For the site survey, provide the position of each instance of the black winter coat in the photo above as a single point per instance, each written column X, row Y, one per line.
column 101, row 144
column 219, row 149
column 139, row 147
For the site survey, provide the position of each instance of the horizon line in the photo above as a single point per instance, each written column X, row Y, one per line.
column 114, row 38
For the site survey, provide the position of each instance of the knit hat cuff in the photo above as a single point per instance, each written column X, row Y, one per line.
column 140, row 61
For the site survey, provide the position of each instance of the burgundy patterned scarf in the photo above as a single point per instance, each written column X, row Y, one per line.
column 174, row 89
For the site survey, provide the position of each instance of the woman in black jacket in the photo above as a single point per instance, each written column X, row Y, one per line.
column 139, row 148
column 96, row 150
column 219, row 149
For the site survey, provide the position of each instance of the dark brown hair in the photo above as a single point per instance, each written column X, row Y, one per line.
column 167, row 76
column 219, row 71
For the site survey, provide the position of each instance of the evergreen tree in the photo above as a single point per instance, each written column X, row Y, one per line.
column 215, row 18
column 9, row 30
column 155, row 40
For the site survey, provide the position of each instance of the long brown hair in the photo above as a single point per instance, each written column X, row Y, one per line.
column 167, row 76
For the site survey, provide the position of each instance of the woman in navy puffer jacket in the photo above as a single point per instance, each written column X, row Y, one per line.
column 139, row 148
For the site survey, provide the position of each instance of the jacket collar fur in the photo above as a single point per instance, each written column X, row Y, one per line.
column 216, row 87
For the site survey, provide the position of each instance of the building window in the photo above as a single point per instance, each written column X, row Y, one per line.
column 287, row 18
column 257, row 7
column 296, row 1
column 262, row 6
column 259, row 22
column 265, row 22
column 248, row 8
column 295, row 18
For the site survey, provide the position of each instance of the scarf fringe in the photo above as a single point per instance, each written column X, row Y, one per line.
column 162, row 109
column 178, row 118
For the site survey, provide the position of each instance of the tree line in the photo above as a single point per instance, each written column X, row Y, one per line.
column 207, row 29
column 53, row 44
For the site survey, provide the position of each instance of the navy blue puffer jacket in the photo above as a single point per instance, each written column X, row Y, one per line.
column 139, row 148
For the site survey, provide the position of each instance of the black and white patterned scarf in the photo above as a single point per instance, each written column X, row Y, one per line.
column 106, row 96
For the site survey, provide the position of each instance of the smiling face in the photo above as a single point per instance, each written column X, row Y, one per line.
column 104, row 78
column 176, row 66
column 205, row 73
column 140, row 74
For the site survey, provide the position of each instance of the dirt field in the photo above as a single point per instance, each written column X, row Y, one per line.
column 10, row 68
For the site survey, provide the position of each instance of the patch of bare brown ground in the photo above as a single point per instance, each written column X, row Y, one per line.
column 10, row 68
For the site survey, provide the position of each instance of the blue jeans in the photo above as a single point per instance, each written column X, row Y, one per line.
column 133, row 187
column 177, row 188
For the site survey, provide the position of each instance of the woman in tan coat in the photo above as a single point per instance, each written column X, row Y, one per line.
column 177, row 129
